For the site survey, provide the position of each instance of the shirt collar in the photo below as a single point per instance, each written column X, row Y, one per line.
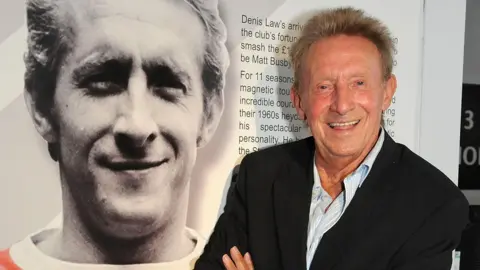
column 372, row 155
column 27, row 256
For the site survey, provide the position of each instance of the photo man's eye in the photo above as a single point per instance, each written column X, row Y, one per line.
column 104, row 77
column 168, row 93
column 166, row 82
column 103, row 88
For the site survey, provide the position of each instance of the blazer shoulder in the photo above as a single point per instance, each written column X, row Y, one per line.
column 425, row 177
column 281, row 152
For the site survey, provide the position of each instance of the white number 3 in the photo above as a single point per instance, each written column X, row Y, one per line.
column 469, row 120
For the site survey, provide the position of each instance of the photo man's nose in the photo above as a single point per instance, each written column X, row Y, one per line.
column 134, row 133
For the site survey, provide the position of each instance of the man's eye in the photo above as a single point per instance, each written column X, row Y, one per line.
column 360, row 83
column 170, row 94
column 103, row 88
column 323, row 87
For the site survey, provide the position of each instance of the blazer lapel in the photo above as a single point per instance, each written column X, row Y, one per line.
column 292, row 192
column 362, row 212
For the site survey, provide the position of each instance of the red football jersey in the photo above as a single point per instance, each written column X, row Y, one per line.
column 6, row 262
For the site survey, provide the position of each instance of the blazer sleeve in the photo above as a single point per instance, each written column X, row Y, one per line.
column 231, row 227
column 431, row 247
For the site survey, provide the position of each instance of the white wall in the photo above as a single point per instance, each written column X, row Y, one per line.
column 440, row 112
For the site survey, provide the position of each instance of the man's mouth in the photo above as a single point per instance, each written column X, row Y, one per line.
column 343, row 125
column 131, row 165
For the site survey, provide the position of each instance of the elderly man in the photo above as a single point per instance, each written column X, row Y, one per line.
column 348, row 197
column 123, row 92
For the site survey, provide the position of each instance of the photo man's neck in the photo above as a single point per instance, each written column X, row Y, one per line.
column 78, row 243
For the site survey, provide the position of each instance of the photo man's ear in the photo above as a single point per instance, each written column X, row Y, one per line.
column 211, row 118
column 42, row 122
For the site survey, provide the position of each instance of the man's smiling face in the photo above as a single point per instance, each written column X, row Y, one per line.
column 128, row 111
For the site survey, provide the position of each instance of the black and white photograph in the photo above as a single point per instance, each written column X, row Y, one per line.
column 123, row 93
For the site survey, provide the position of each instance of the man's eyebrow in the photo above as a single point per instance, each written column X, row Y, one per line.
column 168, row 74
column 103, row 67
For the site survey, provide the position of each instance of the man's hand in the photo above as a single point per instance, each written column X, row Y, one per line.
column 239, row 262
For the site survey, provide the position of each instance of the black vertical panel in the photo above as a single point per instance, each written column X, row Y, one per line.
column 469, row 159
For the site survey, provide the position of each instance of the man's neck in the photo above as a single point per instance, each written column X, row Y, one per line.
column 78, row 244
column 334, row 169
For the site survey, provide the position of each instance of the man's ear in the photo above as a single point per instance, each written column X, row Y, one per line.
column 211, row 118
column 297, row 102
column 41, row 121
column 390, row 89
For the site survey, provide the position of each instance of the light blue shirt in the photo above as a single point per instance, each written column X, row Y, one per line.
column 324, row 213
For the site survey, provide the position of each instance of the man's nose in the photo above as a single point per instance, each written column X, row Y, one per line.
column 134, row 131
column 343, row 100
column 135, row 128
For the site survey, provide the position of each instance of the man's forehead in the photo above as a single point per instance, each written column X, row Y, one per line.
column 113, row 21
column 153, row 11
column 148, row 8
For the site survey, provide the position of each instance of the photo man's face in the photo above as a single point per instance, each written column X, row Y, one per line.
column 128, row 112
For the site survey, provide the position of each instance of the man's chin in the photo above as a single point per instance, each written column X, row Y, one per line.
column 132, row 184
column 129, row 221
column 344, row 150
